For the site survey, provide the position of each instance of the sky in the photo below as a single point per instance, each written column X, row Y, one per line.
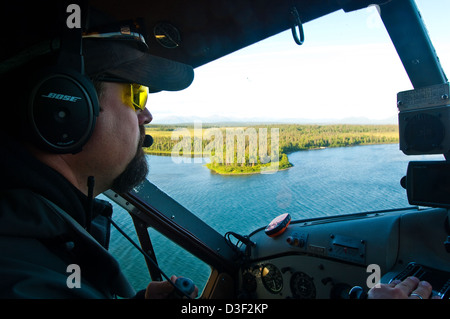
column 347, row 68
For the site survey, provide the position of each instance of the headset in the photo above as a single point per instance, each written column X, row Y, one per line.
column 63, row 104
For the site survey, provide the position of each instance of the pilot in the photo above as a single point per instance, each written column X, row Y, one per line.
column 56, row 158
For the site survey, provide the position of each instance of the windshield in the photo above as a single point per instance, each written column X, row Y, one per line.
column 336, row 90
column 321, row 117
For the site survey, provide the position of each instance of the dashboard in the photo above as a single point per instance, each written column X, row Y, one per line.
column 307, row 278
column 324, row 258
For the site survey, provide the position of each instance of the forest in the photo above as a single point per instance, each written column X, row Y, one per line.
column 247, row 149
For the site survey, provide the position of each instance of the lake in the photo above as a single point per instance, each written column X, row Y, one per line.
column 322, row 182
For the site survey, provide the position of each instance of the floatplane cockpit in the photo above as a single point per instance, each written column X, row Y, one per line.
column 322, row 257
column 337, row 257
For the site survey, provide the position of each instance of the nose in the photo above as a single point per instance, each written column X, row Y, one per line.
column 145, row 117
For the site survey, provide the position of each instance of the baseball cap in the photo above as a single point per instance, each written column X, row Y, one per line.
column 119, row 52
column 125, row 60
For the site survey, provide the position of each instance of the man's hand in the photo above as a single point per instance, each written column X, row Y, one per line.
column 162, row 289
column 410, row 288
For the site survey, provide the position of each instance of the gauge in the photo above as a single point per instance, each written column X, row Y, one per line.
column 271, row 278
column 302, row 286
column 167, row 35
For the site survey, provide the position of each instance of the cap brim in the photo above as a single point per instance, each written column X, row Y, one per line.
column 157, row 73
column 125, row 61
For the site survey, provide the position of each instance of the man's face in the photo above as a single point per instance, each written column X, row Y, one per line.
column 136, row 170
column 116, row 144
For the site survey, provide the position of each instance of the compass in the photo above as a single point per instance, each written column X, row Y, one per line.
column 167, row 35
column 302, row 286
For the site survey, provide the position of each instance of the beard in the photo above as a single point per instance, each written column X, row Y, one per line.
column 135, row 172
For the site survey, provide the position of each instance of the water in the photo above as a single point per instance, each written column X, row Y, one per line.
column 321, row 183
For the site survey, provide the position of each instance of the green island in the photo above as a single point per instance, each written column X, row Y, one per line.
column 237, row 149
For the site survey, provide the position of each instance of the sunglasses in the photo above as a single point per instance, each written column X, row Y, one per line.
column 135, row 96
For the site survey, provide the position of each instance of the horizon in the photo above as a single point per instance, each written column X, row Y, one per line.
column 347, row 69
column 174, row 120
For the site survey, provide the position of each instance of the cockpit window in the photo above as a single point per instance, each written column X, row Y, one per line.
column 324, row 114
column 335, row 91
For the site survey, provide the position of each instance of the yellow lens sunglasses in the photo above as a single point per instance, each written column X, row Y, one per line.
column 135, row 96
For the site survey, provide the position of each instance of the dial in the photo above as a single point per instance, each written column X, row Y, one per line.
column 271, row 278
column 302, row 286
column 167, row 35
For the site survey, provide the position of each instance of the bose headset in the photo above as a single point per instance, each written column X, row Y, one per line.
column 63, row 105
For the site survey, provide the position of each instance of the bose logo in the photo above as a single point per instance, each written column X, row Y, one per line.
column 62, row 97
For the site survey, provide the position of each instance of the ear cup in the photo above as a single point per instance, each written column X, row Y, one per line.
column 62, row 110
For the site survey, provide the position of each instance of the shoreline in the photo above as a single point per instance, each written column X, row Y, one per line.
column 213, row 171
column 250, row 173
column 169, row 153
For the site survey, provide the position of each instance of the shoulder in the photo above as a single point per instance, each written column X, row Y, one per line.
column 39, row 242
column 27, row 214
column 34, row 259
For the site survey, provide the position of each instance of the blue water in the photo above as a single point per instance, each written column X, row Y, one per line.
column 322, row 182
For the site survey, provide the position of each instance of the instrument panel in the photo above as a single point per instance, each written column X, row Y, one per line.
column 273, row 279
column 301, row 285
column 324, row 260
